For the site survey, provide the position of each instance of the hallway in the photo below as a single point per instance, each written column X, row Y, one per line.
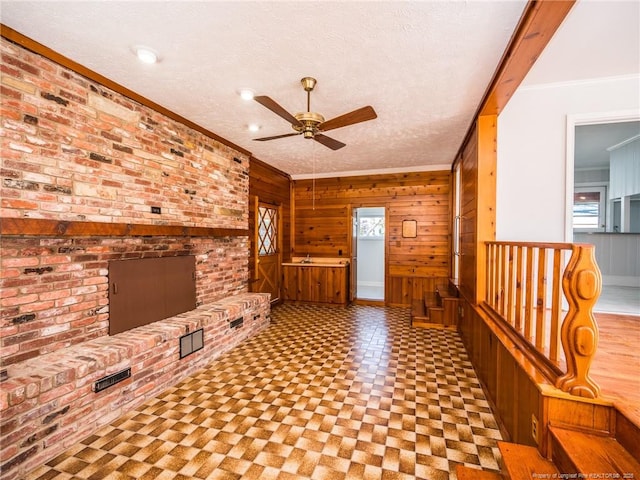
column 323, row 393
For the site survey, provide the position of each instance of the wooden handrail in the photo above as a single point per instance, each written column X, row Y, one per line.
column 554, row 245
column 525, row 286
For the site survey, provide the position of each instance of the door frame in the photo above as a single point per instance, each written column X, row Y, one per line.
column 352, row 237
column 256, row 203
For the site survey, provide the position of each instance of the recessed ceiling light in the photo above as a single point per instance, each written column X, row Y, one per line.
column 246, row 94
column 254, row 127
column 145, row 54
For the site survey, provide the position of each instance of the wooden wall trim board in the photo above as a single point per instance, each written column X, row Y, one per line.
column 47, row 52
column 62, row 228
column 468, row 217
column 292, row 214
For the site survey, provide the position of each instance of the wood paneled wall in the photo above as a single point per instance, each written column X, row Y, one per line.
column 513, row 392
column 477, row 162
column 468, row 165
column 273, row 186
column 322, row 225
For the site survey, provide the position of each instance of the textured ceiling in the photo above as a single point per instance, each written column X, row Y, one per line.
column 423, row 66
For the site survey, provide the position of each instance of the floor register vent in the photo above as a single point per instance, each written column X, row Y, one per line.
column 110, row 380
column 191, row 342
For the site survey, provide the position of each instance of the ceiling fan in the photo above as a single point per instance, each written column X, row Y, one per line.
column 311, row 124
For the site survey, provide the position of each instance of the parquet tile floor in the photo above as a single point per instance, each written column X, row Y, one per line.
column 323, row 393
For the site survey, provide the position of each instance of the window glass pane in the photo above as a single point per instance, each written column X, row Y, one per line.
column 267, row 232
column 371, row 227
column 586, row 210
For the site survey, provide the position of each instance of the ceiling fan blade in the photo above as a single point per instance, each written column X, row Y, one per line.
column 332, row 143
column 360, row 115
column 277, row 109
column 264, row 139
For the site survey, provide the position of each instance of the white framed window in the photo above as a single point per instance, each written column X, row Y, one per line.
column 589, row 208
column 371, row 227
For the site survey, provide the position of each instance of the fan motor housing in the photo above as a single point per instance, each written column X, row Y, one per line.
column 309, row 121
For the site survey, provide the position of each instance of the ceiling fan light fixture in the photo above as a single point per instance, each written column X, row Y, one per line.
column 146, row 54
column 311, row 124
column 253, row 127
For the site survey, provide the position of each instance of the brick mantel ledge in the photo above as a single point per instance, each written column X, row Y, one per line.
column 48, row 403
column 64, row 228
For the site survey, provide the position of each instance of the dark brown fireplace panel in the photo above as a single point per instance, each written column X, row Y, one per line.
column 150, row 289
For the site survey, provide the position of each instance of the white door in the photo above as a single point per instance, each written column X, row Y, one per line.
column 370, row 245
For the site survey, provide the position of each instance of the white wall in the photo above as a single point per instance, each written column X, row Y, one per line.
column 531, row 181
column 617, row 255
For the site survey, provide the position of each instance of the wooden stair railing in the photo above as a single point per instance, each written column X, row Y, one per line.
column 525, row 286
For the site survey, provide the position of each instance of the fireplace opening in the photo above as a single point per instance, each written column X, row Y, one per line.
column 143, row 291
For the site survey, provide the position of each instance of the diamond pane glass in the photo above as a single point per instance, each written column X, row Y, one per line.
column 267, row 230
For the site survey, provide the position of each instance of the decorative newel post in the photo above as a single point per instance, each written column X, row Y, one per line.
column 582, row 283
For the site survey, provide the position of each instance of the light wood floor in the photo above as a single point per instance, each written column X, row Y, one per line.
column 616, row 367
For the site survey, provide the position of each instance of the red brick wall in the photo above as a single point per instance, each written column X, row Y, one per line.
column 54, row 291
column 74, row 150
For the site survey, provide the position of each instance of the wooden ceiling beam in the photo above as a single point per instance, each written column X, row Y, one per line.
column 538, row 24
column 39, row 227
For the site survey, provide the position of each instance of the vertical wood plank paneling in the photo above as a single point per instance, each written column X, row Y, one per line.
column 468, row 210
column 478, row 204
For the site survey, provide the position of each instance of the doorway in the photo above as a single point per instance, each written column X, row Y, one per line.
column 369, row 247
column 596, row 190
column 268, row 252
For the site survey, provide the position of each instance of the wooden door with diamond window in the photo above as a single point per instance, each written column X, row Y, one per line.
column 268, row 255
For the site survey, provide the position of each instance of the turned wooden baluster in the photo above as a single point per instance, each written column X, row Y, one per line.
column 581, row 284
